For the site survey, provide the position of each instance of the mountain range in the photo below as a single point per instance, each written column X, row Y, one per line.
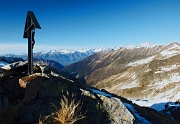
column 64, row 57
column 148, row 75
column 67, row 57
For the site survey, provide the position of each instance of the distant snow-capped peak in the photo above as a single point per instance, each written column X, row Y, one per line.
column 84, row 50
column 62, row 51
column 146, row 45
column 142, row 45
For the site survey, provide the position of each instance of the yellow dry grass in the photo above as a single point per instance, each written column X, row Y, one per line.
column 69, row 112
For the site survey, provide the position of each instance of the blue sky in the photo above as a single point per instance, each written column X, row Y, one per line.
column 73, row 24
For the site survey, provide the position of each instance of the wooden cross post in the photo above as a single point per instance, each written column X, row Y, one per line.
column 29, row 31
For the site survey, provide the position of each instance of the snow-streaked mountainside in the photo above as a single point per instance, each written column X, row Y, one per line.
column 147, row 74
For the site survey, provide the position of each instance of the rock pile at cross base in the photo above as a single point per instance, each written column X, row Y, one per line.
column 26, row 99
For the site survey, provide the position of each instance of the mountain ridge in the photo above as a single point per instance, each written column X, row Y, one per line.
column 66, row 57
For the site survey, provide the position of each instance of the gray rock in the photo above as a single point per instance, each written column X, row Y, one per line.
column 32, row 84
column 117, row 111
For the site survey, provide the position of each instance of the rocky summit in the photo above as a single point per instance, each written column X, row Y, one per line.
column 46, row 95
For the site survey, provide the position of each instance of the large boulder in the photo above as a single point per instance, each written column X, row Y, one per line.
column 32, row 85
column 118, row 113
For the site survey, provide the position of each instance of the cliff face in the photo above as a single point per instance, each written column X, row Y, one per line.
column 36, row 98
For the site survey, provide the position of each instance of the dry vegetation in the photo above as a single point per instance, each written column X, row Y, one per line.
column 69, row 113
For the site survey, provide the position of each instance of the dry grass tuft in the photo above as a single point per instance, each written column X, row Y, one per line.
column 69, row 112
column 40, row 122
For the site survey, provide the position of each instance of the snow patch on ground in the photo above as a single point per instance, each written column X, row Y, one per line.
column 174, row 78
column 100, row 92
column 141, row 119
column 161, row 84
column 177, row 96
column 172, row 51
column 159, row 106
column 140, row 62
column 130, row 85
column 159, row 101
column 167, row 68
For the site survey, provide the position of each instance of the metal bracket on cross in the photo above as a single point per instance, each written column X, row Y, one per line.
column 29, row 32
